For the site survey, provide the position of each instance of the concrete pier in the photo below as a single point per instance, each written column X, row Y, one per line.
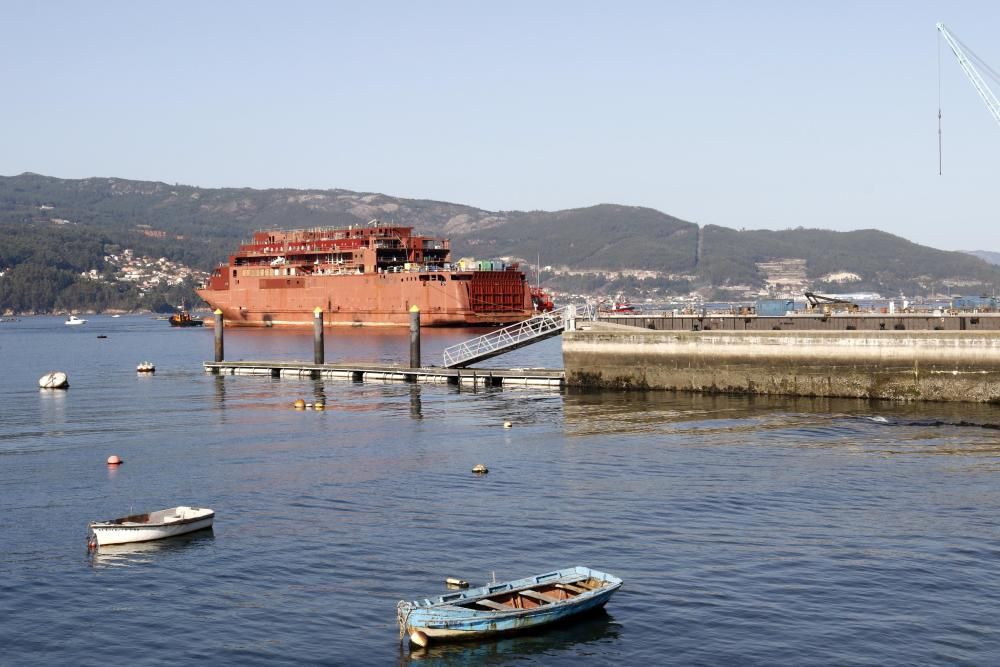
column 954, row 365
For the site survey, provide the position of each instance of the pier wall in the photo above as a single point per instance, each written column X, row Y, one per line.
column 812, row 322
column 894, row 364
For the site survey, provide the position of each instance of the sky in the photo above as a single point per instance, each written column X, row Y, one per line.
column 756, row 115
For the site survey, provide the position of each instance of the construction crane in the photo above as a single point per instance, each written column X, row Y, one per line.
column 970, row 71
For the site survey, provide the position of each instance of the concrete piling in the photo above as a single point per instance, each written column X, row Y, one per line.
column 219, row 350
column 317, row 335
column 414, row 336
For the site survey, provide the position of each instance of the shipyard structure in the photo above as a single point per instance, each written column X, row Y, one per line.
column 936, row 357
column 365, row 275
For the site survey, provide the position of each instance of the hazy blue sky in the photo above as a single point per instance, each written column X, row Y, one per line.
column 743, row 114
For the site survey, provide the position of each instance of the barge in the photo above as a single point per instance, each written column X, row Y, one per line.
column 365, row 275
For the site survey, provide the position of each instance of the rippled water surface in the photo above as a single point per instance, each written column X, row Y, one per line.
column 748, row 531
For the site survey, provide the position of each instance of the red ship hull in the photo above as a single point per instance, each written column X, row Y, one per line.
column 363, row 275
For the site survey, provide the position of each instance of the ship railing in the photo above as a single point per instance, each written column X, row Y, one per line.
column 514, row 336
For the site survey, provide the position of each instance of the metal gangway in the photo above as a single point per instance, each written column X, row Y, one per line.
column 539, row 327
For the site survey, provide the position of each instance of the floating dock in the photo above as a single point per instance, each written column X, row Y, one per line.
column 476, row 377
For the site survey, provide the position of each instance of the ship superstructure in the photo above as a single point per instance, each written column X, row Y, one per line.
column 364, row 275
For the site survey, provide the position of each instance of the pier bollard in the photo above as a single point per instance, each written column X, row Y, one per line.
column 569, row 318
column 317, row 335
column 219, row 356
column 414, row 336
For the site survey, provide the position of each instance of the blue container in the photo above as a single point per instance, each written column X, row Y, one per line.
column 974, row 302
column 775, row 307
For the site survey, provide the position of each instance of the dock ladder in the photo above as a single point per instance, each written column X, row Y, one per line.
column 514, row 336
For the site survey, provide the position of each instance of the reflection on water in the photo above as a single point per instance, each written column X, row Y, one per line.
column 415, row 404
column 137, row 553
column 807, row 419
column 552, row 641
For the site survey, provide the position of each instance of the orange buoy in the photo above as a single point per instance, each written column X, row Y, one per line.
column 113, row 460
column 300, row 404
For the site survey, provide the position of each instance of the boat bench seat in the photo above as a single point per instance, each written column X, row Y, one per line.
column 541, row 597
column 493, row 605
column 571, row 588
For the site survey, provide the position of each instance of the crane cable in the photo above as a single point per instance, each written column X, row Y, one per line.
column 990, row 72
column 973, row 58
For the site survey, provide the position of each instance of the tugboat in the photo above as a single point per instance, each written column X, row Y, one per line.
column 184, row 319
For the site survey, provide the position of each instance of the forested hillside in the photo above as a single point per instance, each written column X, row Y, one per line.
column 53, row 230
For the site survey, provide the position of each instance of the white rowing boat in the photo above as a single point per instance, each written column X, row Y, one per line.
column 150, row 526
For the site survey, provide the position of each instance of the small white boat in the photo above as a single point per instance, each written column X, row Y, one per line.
column 54, row 380
column 150, row 526
column 145, row 367
column 74, row 320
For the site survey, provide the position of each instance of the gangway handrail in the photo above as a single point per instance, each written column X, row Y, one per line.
column 539, row 327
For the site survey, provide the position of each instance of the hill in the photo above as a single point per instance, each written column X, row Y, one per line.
column 991, row 257
column 55, row 230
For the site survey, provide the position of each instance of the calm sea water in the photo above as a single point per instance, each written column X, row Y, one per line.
column 748, row 531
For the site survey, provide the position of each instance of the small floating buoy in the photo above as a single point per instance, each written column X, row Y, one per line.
column 418, row 638
column 319, row 405
column 54, row 380
column 300, row 404
column 455, row 582
column 507, row 425
column 480, row 469
column 113, row 460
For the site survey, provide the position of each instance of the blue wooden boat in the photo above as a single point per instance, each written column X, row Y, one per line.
column 507, row 607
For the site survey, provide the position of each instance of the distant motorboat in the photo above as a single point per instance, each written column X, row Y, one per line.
column 184, row 319
column 74, row 320
column 618, row 308
column 116, row 316
column 145, row 367
column 150, row 526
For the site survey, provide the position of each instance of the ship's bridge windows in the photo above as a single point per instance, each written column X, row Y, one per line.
column 234, row 273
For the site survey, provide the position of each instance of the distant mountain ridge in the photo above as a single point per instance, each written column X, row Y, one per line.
column 201, row 226
column 991, row 257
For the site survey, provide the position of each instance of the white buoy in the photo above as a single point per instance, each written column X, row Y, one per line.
column 54, row 380
column 508, row 425
column 480, row 469
column 419, row 638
